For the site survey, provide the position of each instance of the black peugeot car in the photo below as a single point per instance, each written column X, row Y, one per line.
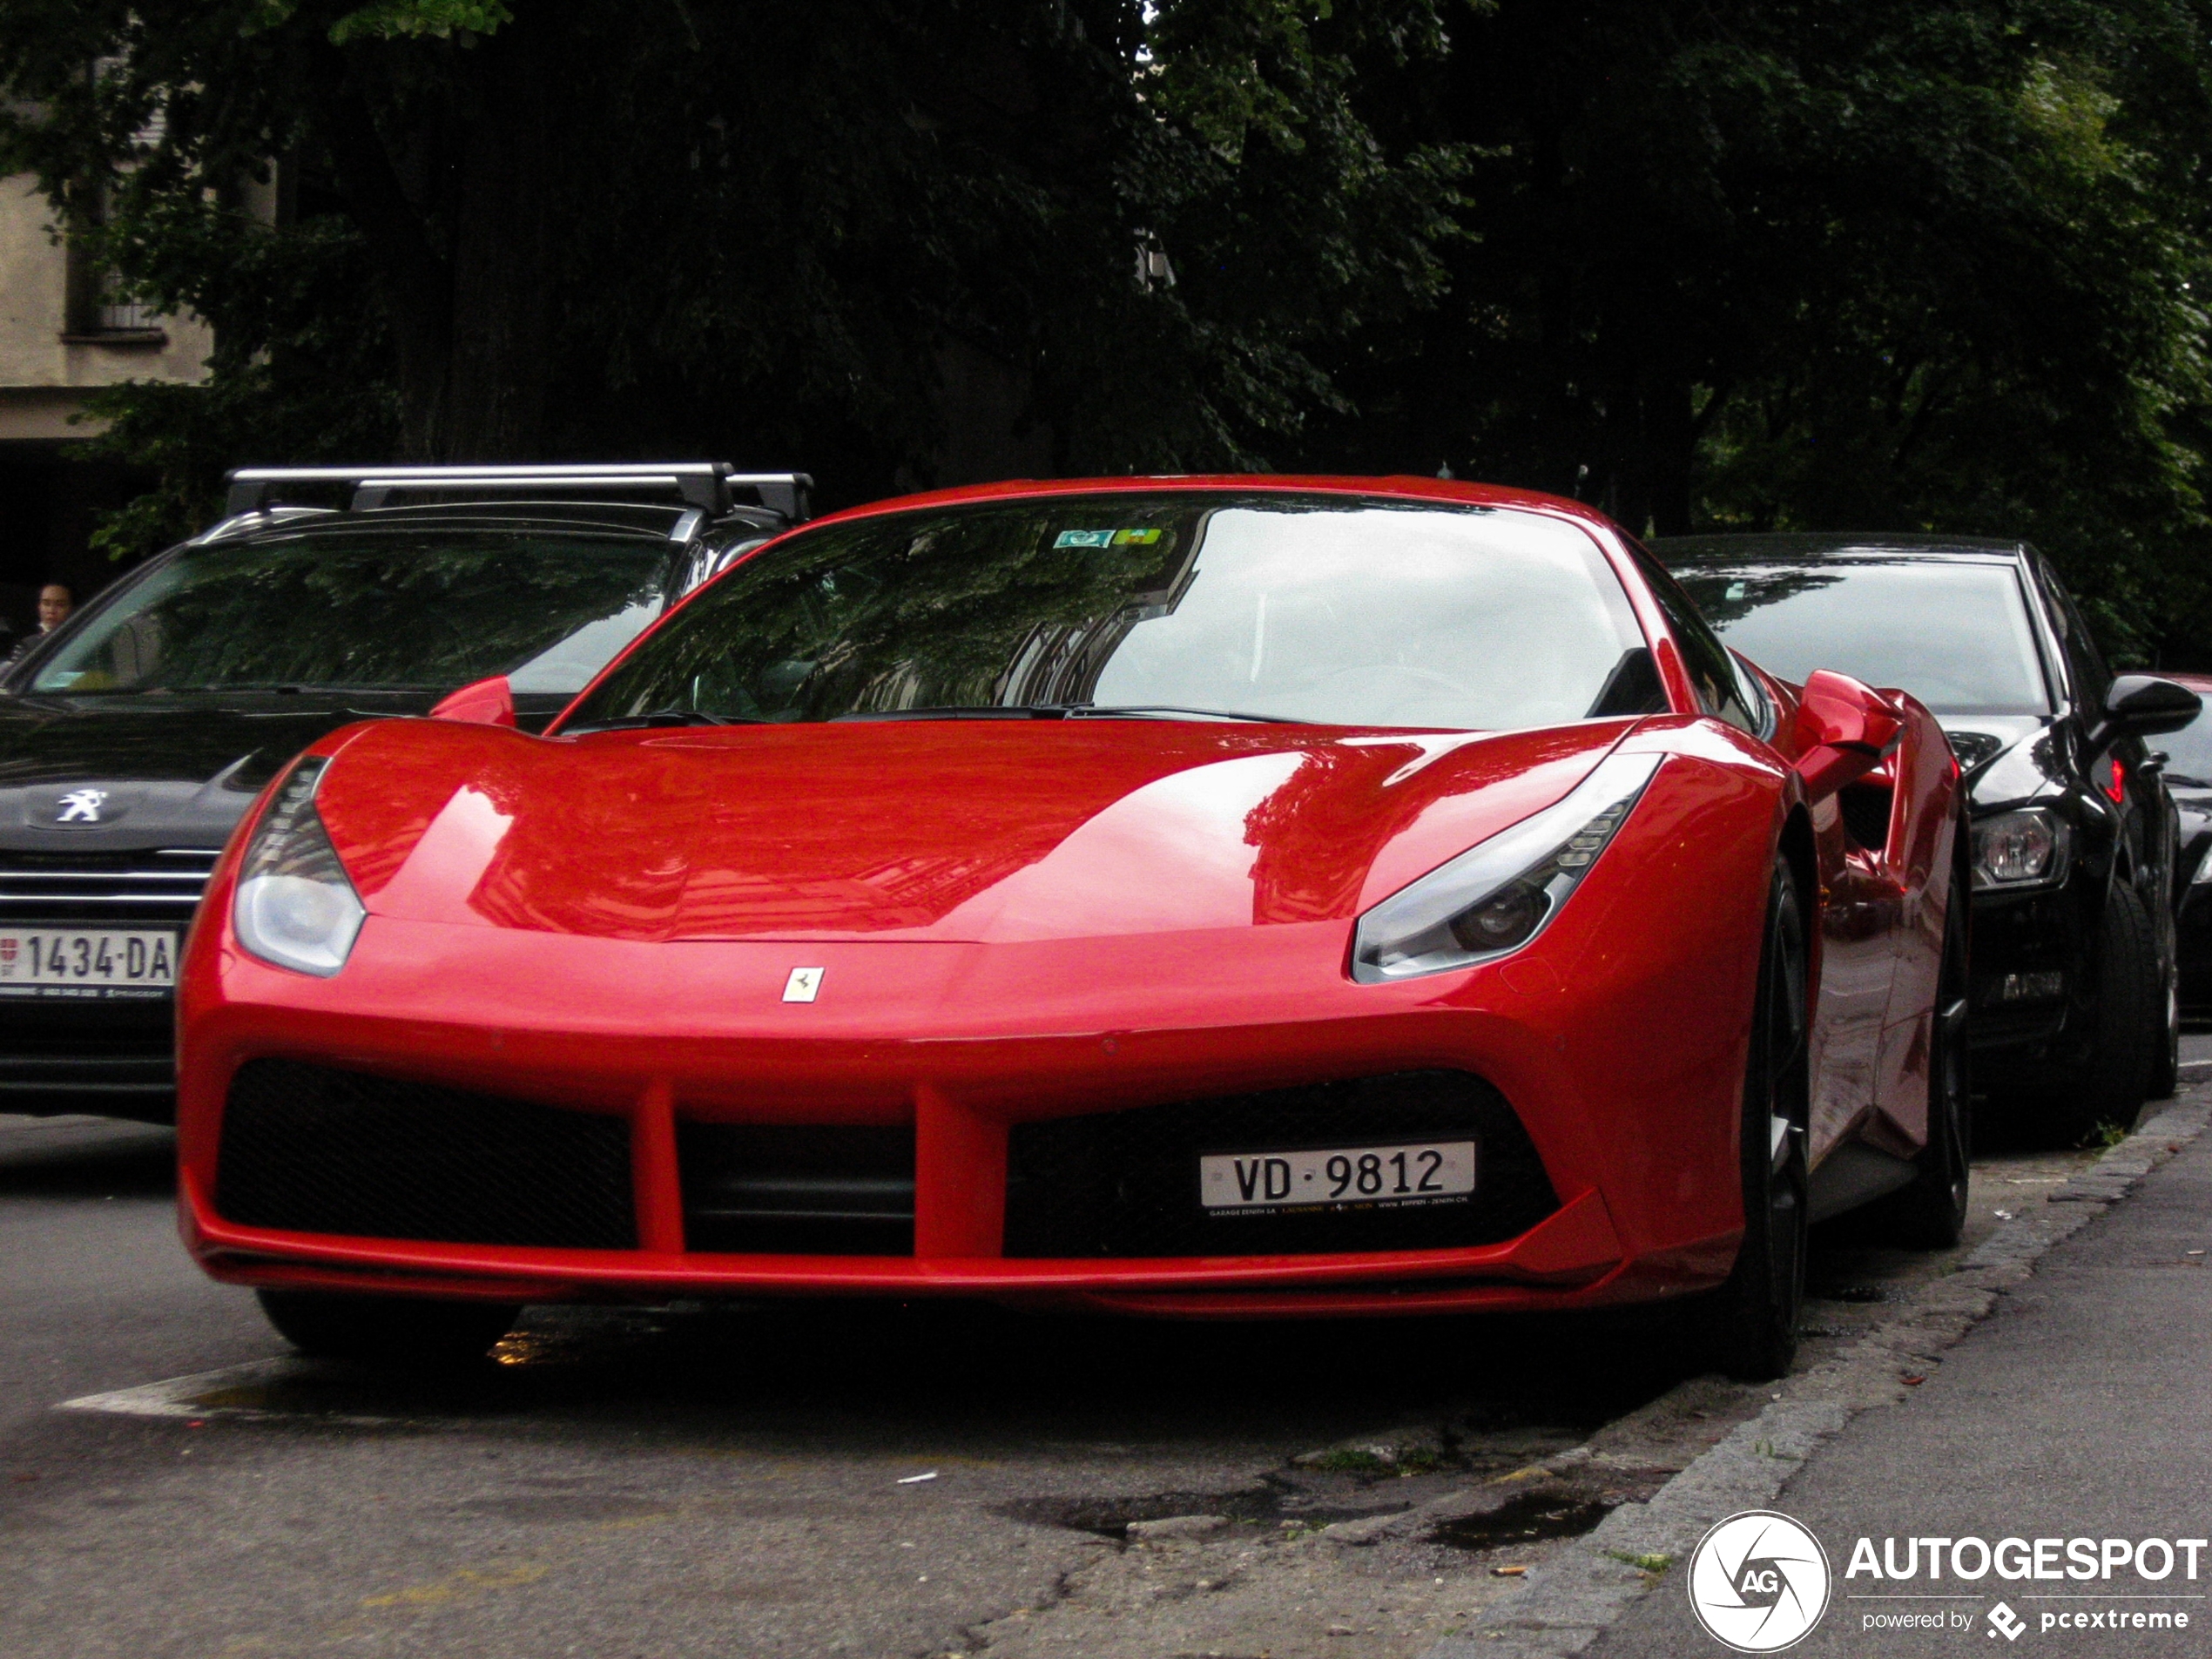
column 133, row 737
column 2073, row 1007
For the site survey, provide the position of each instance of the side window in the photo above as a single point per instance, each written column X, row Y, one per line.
column 1755, row 697
column 2084, row 664
column 1712, row 670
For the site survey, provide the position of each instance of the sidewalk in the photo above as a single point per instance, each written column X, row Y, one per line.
column 2077, row 1410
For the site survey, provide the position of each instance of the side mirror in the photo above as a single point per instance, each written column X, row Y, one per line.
column 1842, row 729
column 487, row 702
column 2142, row 705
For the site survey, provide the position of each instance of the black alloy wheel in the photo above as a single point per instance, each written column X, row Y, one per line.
column 1752, row 1319
column 1931, row 1213
column 2107, row 1089
column 393, row 1332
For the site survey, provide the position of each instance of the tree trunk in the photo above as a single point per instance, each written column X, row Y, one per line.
column 471, row 314
column 413, row 277
column 1670, row 451
column 503, row 280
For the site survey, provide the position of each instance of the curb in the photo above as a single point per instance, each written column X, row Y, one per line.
column 1567, row 1604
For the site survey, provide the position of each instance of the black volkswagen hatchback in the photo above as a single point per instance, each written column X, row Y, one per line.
column 2074, row 1011
column 134, row 737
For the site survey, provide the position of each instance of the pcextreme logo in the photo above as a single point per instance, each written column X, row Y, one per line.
column 1758, row 1581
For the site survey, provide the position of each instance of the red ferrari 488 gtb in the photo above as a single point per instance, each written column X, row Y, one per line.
column 1218, row 896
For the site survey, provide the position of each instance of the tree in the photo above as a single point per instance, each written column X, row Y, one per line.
column 1832, row 264
column 895, row 244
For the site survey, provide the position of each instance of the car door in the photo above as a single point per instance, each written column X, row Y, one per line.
column 1914, row 867
column 2122, row 773
column 1858, row 900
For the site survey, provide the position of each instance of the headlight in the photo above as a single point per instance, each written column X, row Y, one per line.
column 295, row 907
column 2025, row 848
column 1497, row 896
column 2203, row 875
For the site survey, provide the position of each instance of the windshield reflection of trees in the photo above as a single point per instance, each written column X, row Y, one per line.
column 971, row 608
column 361, row 612
column 975, row 607
column 1729, row 594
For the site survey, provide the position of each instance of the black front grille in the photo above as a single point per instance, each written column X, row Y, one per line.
column 310, row 1149
column 1126, row 1183
column 78, row 1053
column 157, row 887
column 816, row 1190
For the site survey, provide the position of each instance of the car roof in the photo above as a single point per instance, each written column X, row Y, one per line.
column 648, row 521
column 1442, row 492
column 1807, row 546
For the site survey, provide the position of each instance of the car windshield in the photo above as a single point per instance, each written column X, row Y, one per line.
column 1334, row 610
column 419, row 610
column 1955, row 635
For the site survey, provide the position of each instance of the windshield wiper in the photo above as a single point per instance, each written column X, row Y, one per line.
column 660, row 717
column 1064, row 711
column 955, row 711
column 1167, row 711
column 286, row 688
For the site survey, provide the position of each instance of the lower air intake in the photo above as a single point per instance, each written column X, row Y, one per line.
column 1126, row 1183
column 311, row 1149
column 808, row 1189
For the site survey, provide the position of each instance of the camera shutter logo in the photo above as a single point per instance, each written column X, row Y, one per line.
column 1758, row 1581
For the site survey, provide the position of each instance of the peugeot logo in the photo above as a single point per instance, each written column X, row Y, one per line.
column 81, row 807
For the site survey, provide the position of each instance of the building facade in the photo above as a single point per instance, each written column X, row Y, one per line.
column 64, row 333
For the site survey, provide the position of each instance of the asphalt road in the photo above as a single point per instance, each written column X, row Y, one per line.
column 788, row 1480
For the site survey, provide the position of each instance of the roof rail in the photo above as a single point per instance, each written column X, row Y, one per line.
column 703, row 484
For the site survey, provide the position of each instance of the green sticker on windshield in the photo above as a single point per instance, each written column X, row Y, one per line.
column 1106, row 538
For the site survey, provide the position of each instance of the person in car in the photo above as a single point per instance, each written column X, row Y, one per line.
column 55, row 603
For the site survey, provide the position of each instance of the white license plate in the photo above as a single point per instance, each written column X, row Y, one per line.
column 1400, row 1176
column 92, row 962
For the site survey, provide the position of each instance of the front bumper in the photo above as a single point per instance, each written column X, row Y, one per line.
column 2193, row 948
column 113, row 1060
column 2030, row 972
column 1625, row 1086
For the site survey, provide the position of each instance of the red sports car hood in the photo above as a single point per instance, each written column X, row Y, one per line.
column 956, row 830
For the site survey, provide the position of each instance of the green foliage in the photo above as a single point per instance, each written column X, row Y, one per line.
column 396, row 19
column 1829, row 264
column 893, row 244
column 1710, row 264
column 297, row 375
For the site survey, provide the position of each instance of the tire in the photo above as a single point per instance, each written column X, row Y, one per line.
column 1751, row 1323
column 1931, row 1213
column 2166, row 1057
column 2111, row 1087
column 398, row 1332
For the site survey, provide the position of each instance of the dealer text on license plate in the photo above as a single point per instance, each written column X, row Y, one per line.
column 92, row 963
column 1423, row 1172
